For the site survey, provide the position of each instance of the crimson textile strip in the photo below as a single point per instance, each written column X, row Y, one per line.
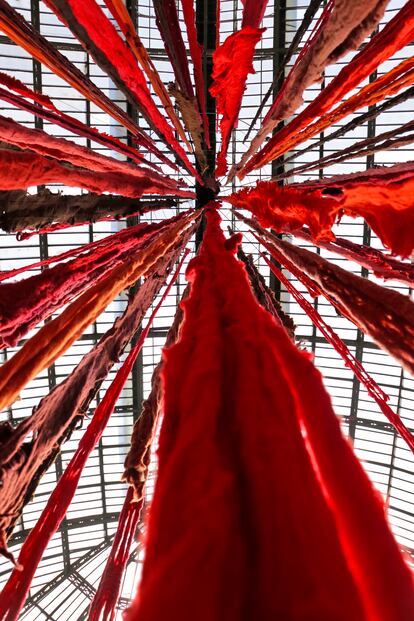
column 222, row 511
column 223, row 537
column 121, row 14
column 100, row 38
column 56, row 336
column 106, row 597
column 22, row 33
column 79, row 128
column 14, row 593
column 68, row 151
column 342, row 27
column 253, row 12
column 20, row 170
column 351, row 362
column 265, row 296
column 391, row 139
column 388, row 84
column 107, row 594
column 380, row 264
column 383, row 197
column 16, row 85
column 169, row 27
column 310, row 13
column 232, row 63
column 355, row 122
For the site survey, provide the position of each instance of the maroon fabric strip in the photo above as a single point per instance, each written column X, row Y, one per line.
column 373, row 389
column 253, row 12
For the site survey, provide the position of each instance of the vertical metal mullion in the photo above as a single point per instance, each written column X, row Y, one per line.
column 278, row 166
column 206, row 35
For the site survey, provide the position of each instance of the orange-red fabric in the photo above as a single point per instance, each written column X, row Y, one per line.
column 23, row 34
column 383, row 198
column 120, row 12
column 100, row 37
column 232, row 63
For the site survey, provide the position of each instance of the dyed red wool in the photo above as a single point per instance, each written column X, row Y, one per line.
column 287, row 209
column 65, row 150
column 253, row 12
column 14, row 593
column 75, row 126
column 262, row 526
column 38, row 297
column 384, row 198
column 196, row 55
column 21, row 170
column 393, row 37
column 98, row 35
column 16, row 85
column 232, row 63
column 381, row 264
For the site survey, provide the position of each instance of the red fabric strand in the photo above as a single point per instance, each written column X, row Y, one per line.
column 169, row 27
column 196, row 55
column 250, row 533
column 232, row 63
column 383, row 197
column 6, row 275
column 351, row 362
column 21, row 170
column 16, row 85
column 14, row 593
column 23, row 34
column 342, row 27
column 106, row 597
column 386, row 315
column 79, row 128
column 120, row 13
column 253, row 12
column 65, row 150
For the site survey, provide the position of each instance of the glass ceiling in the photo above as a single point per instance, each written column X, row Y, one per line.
column 71, row 568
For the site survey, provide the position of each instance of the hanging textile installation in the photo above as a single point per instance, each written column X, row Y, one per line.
column 261, row 509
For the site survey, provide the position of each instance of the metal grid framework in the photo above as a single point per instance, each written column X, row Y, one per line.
column 70, row 570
